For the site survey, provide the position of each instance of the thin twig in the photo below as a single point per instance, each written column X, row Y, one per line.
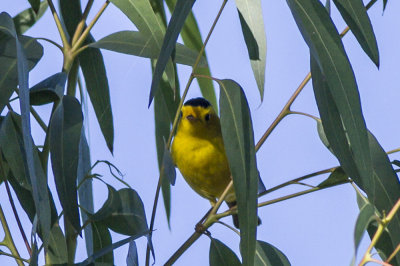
column 59, row 25
column 81, row 24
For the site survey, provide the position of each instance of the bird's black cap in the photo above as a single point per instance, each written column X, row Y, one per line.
column 198, row 102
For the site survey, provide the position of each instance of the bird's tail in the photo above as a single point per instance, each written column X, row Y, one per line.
column 235, row 217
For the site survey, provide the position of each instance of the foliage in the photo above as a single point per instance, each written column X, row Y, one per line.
column 24, row 160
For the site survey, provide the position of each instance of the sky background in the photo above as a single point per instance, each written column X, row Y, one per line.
column 316, row 229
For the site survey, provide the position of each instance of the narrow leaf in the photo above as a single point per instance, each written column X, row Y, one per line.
column 49, row 90
column 168, row 167
column 221, row 255
column 57, row 250
column 110, row 205
column 365, row 217
column 27, row 18
column 65, row 133
column 356, row 16
column 35, row 4
column 237, row 132
column 102, row 239
column 132, row 258
column 267, row 254
column 252, row 22
column 338, row 176
column 135, row 43
column 181, row 11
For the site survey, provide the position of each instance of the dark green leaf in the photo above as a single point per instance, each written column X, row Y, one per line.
column 27, row 18
column 135, row 43
column 267, row 254
column 384, row 4
column 365, row 217
column 49, row 90
column 191, row 37
column 57, row 249
column 109, row 248
column 35, row 4
column 396, row 162
column 85, row 191
column 168, row 167
column 181, row 11
column 102, row 239
column 221, row 255
column 8, row 63
column 24, row 196
column 356, row 16
column 110, row 205
column 94, row 72
column 129, row 218
column 65, row 133
column 252, row 22
column 132, row 258
column 338, row 176
column 141, row 14
column 237, row 132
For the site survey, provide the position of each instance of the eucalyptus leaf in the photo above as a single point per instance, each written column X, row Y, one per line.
column 338, row 176
column 35, row 4
column 268, row 255
column 27, row 18
column 132, row 258
column 221, row 255
column 102, row 239
column 57, row 249
column 365, row 217
column 237, row 132
column 49, row 90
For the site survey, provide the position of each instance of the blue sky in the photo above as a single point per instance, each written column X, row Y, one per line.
column 315, row 229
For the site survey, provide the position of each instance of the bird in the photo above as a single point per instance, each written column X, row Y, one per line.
column 198, row 152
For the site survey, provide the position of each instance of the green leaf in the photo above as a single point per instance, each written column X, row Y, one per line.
column 141, row 14
column 27, row 18
column 110, row 205
column 102, row 239
column 181, row 11
column 35, row 4
column 237, row 132
column 252, row 22
column 384, row 4
column 8, row 63
column 132, row 258
column 57, row 250
column 85, row 191
column 94, row 72
column 267, row 254
column 49, row 90
column 355, row 15
column 129, row 218
column 65, row 132
column 365, row 217
column 338, row 176
column 221, row 255
column 327, row 49
column 191, row 37
column 135, row 43
column 168, row 167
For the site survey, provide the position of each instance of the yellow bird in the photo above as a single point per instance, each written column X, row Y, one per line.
column 198, row 151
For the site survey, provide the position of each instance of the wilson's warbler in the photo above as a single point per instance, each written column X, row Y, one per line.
column 198, row 151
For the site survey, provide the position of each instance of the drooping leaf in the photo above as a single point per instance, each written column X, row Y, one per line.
column 191, row 37
column 237, row 132
column 65, row 133
column 8, row 63
column 221, row 255
column 181, row 11
column 356, row 16
column 338, row 176
column 135, row 43
column 49, row 90
column 94, row 72
column 141, row 14
column 40, row 197
column 110, row 205
column 102, row 239
column 132, row 258
column 268, row 255
column 27, row 18
column 85, row 191
column 252, row 22
column 57, row 251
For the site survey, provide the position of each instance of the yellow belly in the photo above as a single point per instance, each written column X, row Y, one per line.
column 203, row 164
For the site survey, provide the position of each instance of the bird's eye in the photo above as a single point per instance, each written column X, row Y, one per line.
column 207, row 117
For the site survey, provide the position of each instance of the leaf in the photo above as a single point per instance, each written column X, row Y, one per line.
column 252, row 22
column 129, row 218
column 49, row 90
column 8, row 63
column 65, row 132
column 181, row 11
column 35, row 173
column 331, row 60
column 384, row 4
column 355, row 15
column 57, row 251
column 221, row 255
column 191, row 37
column 338, row 176
column 168, row 167
column 365, row 217
column 35, row 4
column 102, row 239
column 109, row 206
column 141, row 14
column 27, row 18
column 85, row 191
column 237, row 132
column 132, row 258
column 135, row 43
column 267, row 254
column 94, row 72
column 109, row 248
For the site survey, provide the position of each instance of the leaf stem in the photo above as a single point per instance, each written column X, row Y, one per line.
column 81, row 25
column 305, row 114
column 50, row 41
column 13, row 256
column 8, row 240
column 59, row 25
